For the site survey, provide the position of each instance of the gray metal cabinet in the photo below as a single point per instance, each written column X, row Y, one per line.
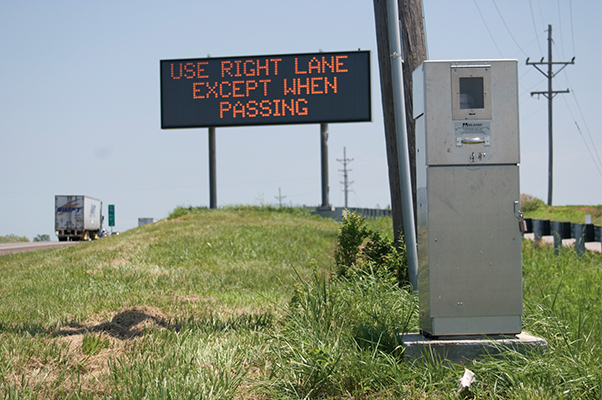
column 467, row 155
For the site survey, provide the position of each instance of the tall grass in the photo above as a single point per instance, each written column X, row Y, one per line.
column 563, row 303
column 245, row 303
column 341, row 337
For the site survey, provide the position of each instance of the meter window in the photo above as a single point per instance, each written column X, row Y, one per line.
column 471, row 93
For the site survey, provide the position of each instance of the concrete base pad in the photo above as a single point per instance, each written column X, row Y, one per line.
column 468, row 348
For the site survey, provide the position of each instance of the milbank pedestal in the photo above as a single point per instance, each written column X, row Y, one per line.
column 469, row 221
column 467, row 349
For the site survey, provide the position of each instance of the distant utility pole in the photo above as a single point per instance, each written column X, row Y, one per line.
column 280, row 197
column 345, row 171
column 550, row 95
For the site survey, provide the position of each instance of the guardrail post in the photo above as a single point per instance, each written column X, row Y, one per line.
column 545, row 227
column 598, row 235
column 537, row 230
column 557, row 233
column 579, row 234
column 560, row 230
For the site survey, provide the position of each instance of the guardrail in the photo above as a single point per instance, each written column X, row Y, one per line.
column 371, row 213
column 337, row 212
column 582, row 233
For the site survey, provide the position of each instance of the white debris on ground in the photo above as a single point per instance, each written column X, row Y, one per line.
column 466, row 380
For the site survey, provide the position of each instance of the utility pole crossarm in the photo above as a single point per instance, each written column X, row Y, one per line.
column 555, row 92
column 548, row 63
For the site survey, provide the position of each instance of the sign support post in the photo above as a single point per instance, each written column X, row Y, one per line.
column 324, row 164
column 212, row 170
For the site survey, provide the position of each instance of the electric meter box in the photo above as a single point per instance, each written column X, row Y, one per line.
column 468, row 197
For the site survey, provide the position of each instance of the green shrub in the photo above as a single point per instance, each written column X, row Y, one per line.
column 181, row 211
column 529, row 203
column 351, row 236
column 42, row 238
column 361, row 249
column 12, row 238
column 383, row 254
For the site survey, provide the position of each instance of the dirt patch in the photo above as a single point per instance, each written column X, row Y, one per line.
column 74, row 368
column 128, row 323
column 119, row 261
column 193, row 298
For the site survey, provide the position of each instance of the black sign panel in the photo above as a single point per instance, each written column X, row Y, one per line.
column 265, row 90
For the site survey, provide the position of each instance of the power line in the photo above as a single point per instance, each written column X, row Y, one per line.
column 560, row 23
column 598, row 160
column 588, row 149
column 580, row 113
column 585, row 123
column 540, row 13
column 524, row 118
column 583, row 119
column 572, row 30
column 487, row 27
column 508, row 29
column 535, row 27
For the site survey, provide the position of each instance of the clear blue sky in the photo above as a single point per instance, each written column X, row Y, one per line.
column 80, row 111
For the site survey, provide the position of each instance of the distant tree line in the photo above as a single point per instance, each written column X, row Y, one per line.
column 12, row 238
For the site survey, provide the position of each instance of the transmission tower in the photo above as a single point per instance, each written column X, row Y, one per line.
column 345, row 171
column 549, row 94
column 280, row 197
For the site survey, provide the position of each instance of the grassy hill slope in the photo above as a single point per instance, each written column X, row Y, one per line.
column 537, row 209
column 240, row 259
column 200, row 273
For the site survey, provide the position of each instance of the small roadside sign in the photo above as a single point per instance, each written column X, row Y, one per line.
column 111, row 215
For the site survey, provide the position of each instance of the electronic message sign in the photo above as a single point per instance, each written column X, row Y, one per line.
column 265, row 90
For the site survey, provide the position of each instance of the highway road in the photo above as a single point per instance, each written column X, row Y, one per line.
column 21, row 247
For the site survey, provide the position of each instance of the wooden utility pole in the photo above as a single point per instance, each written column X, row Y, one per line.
column 414, row 53
column 549, row 94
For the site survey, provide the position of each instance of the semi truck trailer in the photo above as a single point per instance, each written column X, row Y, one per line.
column 77, row 218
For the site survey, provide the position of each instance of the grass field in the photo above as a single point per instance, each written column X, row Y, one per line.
column 241, row 303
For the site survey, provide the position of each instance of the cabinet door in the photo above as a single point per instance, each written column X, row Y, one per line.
column 474, row 242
